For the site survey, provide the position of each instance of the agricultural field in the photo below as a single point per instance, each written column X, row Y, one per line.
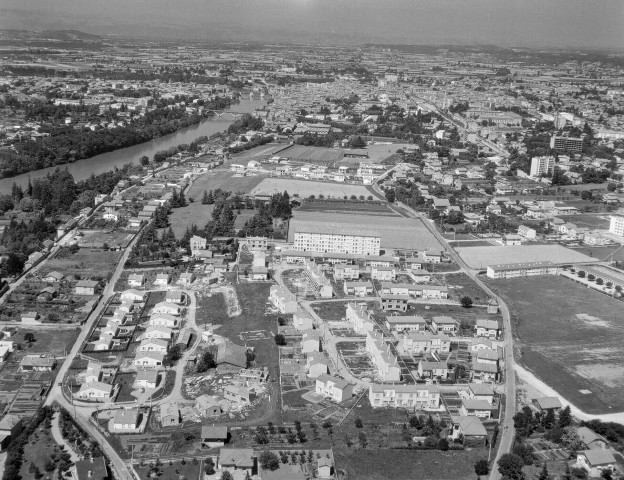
column 386, row 464
column 481, row 257
column 101, row 238
column 86, row 262
column 268, row 150
column 570, row 337
column 349, row 206
column 225, row 180
column 396, row 232
column 316, row 155
column 305, row 188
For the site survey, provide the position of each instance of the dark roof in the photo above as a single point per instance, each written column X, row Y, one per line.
column 96, row 466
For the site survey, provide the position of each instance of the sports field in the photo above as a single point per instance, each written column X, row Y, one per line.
column 591, row 220
column 396, row 232
column 571, row 338
column 481, row 257
column 305, row 188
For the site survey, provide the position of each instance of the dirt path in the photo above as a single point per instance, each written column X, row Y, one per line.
column 58, row 437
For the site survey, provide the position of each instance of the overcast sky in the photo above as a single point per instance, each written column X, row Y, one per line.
column 537, row 23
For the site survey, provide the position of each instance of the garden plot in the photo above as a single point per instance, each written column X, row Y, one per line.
column 356, row 359
column 231, row 300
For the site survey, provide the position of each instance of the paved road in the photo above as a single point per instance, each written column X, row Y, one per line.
column 507, row 432
column 83, row 413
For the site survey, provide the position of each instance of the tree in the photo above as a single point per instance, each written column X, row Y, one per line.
column 549, row 419
column 144, row 160
column 280, row 339
column 206, row 362
column 362, row 439
column 581, row 274
column 13, row 265
column 209, row 468
column 269, row 461
column 510, row 466
column 565, row 417
column 29, row 337
column 526, row 452
column 226, row 476
column 414, row 422
column 544, row 473
column 606, row 474
column 482, row 467
column 466, row 301
column 358, row 422
column 443, row 444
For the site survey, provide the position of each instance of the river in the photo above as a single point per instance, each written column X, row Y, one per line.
column 105, row 162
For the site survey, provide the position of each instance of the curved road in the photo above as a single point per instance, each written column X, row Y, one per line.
column 507, row 432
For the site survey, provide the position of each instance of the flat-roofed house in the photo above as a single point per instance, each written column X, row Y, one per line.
column 487, row 328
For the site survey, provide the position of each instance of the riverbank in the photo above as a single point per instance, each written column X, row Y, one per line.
column 105, row 162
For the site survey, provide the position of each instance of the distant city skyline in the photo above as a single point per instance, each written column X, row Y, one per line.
column 578, row 24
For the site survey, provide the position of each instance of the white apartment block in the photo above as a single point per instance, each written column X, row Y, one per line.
column 542, row 165
column 527, row 269
column 617, row 225
column 359, row 317
column 417, row 397
column 385, row 361
column 337, row 240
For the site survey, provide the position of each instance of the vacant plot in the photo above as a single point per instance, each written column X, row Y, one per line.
column 223, row 179
column 481, row 257
column 461, row 285
column 305, row 188
column 183, row 469
column 386, row 464
column 571, row 338
column 99, row 238
column 403, row 233
column 197, row 214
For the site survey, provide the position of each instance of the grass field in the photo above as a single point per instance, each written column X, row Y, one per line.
column 403, row 233
column 189, row 470
column 305, row 188
column 318, row 155
column 607, row 253
column 588, row 220
column 481, row 257
column 223, row 179
column 86, row 262
column 267, row 150
column 198, row 214
column 461, row 284
column 385, row 464
column 571, row 338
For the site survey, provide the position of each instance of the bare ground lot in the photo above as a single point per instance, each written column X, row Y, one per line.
column 571, row 338
column 403, row 233
column 594, row 220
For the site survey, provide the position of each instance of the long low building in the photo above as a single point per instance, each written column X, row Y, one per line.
column 527, row 269
column 416, row 397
